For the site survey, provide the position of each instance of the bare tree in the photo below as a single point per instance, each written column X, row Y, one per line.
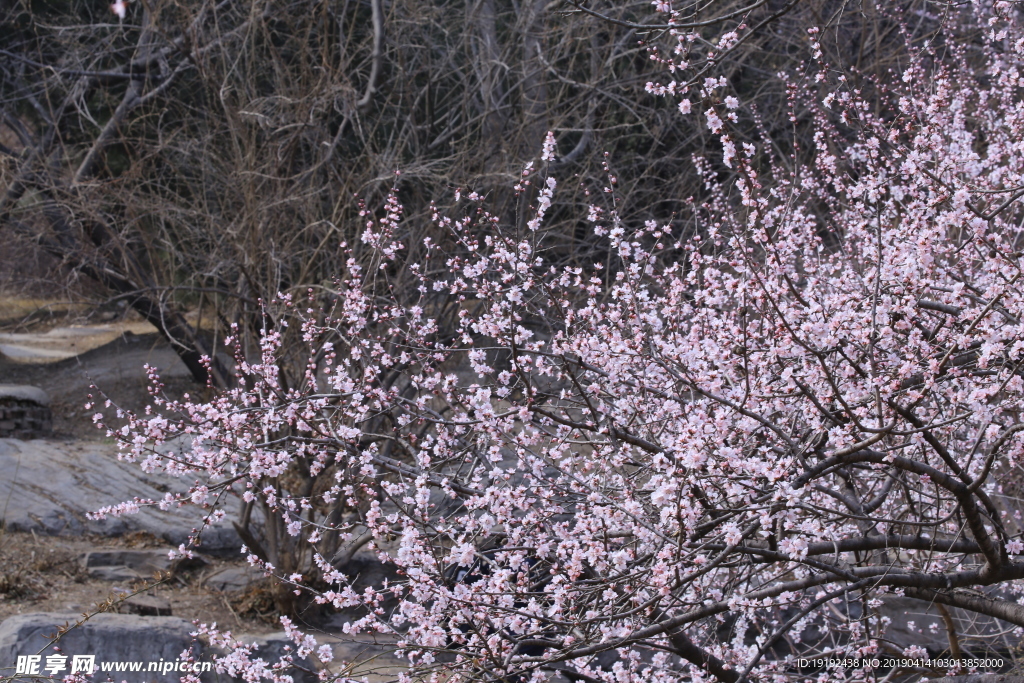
column 207, row 155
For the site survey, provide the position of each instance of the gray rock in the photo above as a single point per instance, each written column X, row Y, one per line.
column 115, row 574
column 916, row 622
column 365, row 570
column 272, row 647
column 49, row 487
column 147, row 606
column 233, row 579
column 113, row 639
column 21, row 392
column 349, row 649
column 141, row 560
column 128, row 565
column 148, row 643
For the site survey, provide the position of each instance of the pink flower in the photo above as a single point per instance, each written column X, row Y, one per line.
column 714, row 122
column 548, row 153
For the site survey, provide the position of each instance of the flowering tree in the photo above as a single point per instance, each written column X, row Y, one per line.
column 710, row 456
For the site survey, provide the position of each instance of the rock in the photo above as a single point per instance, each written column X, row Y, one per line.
column 272, row 647
column 148, row 561
column 108, row 563
column 114, row 574
column 233, row 579
column 24, row 411
column 49, row 487
column 365, row 570
column 142, row 646
column 378, row 650
column 130, row 642
column 21, row 392
column 147, row 606
column 916, row 622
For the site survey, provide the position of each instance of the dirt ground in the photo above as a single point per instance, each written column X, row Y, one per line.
column 66, row 357
column 65, row 354
column 44, row 574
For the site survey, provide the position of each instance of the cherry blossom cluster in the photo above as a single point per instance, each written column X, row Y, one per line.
column 717, row 453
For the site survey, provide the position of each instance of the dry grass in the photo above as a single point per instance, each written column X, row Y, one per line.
column 15, row 310
column 42, row 574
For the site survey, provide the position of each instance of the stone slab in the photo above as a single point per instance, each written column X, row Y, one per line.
column 232, row 579
column 147, row 606
column 916, row 622
column 131, row 639
column 50, row 486
column 114, row 574
column 110, row 638
column 273, row 646
column 24, row 392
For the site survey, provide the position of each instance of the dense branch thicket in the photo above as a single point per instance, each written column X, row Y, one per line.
column 208, row 154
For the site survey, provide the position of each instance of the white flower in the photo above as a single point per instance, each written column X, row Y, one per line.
column 729, row 151
column 915, row 652
column 548, row 153
column 796, row 547
column 714, row 122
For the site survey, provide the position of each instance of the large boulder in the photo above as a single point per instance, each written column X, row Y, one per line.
column 24, row 392
column 49, row 487
column 233, row 579
column 916, row 622
column 147, row 606
column 272, row 647
column 371, row 655
column 119, row 564
column 365, row 570
column 130, row 648
column 123, row 647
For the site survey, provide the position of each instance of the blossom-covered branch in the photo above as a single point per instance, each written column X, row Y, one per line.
column 709, row 457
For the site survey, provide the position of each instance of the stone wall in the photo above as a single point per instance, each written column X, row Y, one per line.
column 22, row 419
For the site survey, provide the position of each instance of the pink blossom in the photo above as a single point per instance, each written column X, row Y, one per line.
column 803, row 394
column 714, row 122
